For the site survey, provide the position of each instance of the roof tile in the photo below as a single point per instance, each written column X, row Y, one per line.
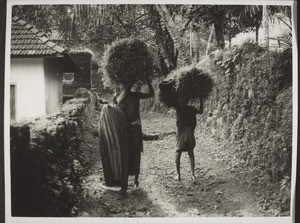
column 58, row 49
column 28, row 26
column 50, row 44
column 28, row 40
column 40, row 34
column 34, row 30
column 15, row 18
column 22, row 22
column 44, row 39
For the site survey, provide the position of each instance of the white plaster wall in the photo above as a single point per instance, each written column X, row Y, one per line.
column 53, row 85
column 28, row 75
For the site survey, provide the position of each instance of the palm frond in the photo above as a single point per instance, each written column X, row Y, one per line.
column 282, row 18
column 284, row 40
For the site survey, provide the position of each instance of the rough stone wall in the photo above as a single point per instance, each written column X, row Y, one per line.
column 49, row 158
column 250, row 112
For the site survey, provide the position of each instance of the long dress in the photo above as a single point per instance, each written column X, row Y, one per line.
column 113, row 133
column 130, row 105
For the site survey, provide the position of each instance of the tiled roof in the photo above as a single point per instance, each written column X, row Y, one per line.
column 27, row 40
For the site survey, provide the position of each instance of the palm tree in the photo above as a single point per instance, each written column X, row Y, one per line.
column 266, row 29
column 270, row 13
column 166, row 50
column 174, row 31
column 250, row 16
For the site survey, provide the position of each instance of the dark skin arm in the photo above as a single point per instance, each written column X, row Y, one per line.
column 150, row 94
column 114, row 100
column 200, row 110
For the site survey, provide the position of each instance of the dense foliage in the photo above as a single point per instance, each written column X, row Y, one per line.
column 83, row 58
column 250, row 110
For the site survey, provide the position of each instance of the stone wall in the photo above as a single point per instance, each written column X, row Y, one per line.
column 250, row 113
column 49, row 158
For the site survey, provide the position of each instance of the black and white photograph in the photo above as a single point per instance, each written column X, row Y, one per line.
column 150, row 111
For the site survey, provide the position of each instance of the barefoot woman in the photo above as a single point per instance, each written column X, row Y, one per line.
column 129, row 102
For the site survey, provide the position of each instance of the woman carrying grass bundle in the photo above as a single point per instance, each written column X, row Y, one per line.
column 124, row 63
column 129, row 102
column 186, row 123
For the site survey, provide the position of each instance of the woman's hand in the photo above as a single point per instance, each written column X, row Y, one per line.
column 150, row 88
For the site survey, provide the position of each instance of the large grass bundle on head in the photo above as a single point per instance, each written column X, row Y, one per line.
column 191, row 82
column 126, row 61
column 167, row 93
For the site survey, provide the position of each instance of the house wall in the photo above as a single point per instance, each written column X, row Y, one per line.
column 53, row 85
column 28, row 76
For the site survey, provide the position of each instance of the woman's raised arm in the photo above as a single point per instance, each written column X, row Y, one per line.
column 150, row 94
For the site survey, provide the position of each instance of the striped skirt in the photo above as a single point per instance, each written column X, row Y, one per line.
column 113, row 133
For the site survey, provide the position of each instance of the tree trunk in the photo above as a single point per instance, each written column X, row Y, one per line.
column 197, row 46
column 191, row 44
column 218, row 24
column 209, row 38
column 256, row 32
column 194, row 46
column 166, row 49
column 174, row 32
column 266, row 26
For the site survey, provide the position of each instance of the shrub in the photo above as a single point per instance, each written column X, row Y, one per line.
column 82, row 93
column 84, row 59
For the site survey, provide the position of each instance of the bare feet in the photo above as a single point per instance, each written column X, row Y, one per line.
column 136, row 184
column 193, row 178
column 177, row 177
column 122, row 192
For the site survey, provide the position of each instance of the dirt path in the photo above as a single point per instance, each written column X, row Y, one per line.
column 217, row 191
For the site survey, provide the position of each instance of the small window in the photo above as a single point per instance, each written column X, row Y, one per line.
column 68, row 78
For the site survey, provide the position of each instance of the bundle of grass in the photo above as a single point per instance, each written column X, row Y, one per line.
column 167, row 93
column 191, row 82
column 188, row 82
column 126, row 61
